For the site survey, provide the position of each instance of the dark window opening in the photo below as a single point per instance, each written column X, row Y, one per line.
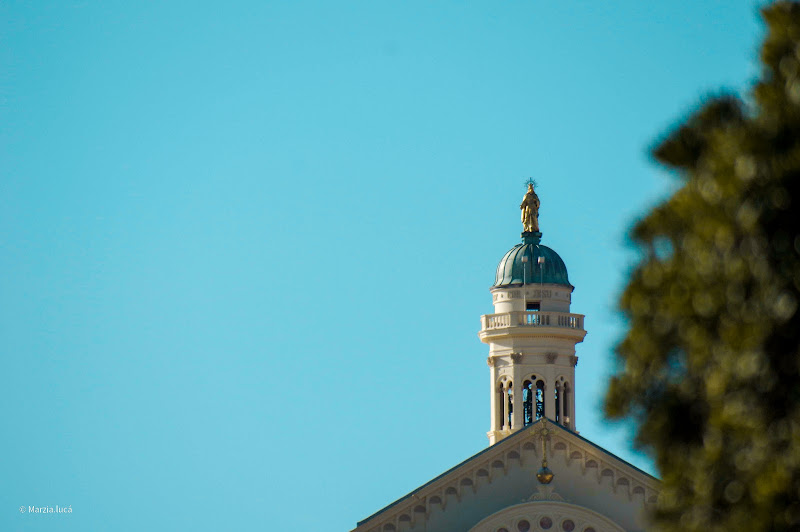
column 527, row 403
column 499, row 408
column 510, row 405
column 539, row 399
column 533, row 305
column 558, row 403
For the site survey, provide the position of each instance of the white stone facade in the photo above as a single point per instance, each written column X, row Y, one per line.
column 529, row 351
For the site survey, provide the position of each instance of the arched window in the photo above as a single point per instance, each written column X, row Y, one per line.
column 558, row 401
column 527, row 403
column 539, row 399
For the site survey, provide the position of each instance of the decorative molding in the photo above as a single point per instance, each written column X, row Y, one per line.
column 516, row 357
column 539, row 293
column 551, row 357
column 490, row 361
column 545, row 493
column 574, row 360
column 534, row 512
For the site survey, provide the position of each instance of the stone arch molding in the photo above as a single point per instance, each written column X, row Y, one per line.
column 558, row 512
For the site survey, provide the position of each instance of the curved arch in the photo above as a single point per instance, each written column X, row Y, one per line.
column 557, row 511
column 503, row 381
column 504, row 401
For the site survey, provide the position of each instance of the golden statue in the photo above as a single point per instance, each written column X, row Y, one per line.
column 530, row 211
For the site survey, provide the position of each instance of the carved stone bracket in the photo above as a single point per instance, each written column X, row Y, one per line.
column 516, row 357
column 574, row 360
column 551, row 357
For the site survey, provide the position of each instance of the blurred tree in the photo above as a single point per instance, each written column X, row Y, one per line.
column 710, row 365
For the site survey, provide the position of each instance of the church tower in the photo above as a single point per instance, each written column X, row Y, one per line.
column 531, row 335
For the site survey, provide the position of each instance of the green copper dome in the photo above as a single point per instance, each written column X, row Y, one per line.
column 513, row 270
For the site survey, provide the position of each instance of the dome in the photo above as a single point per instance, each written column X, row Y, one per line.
column 510, row 270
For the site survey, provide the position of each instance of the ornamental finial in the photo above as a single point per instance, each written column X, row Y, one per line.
column 530, row 209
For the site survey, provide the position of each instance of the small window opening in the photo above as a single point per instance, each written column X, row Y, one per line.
column 533, row 305
column 510, row 409
column 558, row 402
column 539, row 399
column 527, row 402
column 499, row 408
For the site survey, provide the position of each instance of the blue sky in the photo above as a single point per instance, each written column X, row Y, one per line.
column 245, row 246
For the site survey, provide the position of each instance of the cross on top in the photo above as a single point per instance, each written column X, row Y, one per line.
column 544, row 431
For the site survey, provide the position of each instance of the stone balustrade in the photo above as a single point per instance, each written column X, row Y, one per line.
column 531, row 319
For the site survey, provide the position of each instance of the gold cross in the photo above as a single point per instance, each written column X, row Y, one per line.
column 543, row 432
column 544, row 475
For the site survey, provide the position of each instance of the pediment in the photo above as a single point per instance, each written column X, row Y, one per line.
column 504, row 476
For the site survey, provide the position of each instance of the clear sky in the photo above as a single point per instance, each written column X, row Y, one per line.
column 245, row 246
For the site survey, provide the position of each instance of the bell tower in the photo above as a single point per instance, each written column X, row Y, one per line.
column 531, row 335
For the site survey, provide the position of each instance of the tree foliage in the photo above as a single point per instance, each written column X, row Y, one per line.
column 710, row 364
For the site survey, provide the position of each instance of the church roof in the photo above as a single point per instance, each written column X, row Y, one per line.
column 495, row 460
column 531, row 262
